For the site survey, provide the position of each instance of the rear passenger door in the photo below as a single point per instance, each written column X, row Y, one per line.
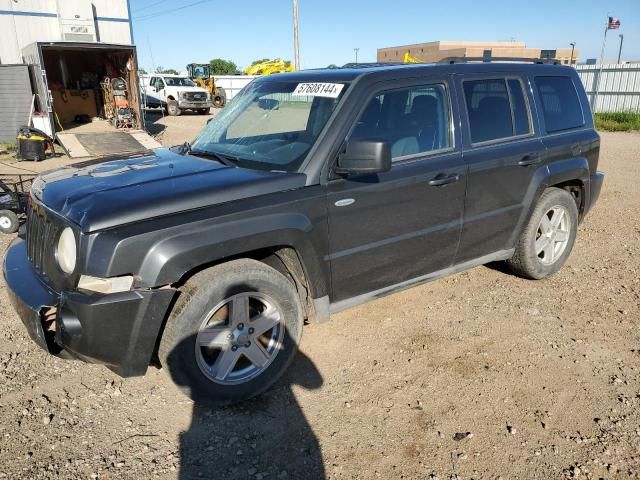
column 387, row 228
column 567, row 128
column 502, row 151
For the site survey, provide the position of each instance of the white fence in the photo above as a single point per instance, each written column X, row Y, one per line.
column 619, row 88
column 232, row 84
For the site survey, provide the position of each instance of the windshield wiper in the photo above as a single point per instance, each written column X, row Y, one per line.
column 186, row 149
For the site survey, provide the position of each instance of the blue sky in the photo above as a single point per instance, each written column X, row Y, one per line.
column 244, row 30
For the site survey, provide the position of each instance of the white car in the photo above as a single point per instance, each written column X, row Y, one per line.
column 175, row 93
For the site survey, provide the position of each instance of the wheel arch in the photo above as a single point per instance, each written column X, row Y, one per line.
column 570, row 174
column 281, row 240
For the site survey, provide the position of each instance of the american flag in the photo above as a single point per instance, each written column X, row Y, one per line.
column 613, row 23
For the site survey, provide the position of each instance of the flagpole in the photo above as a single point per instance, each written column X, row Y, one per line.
column 597, row 85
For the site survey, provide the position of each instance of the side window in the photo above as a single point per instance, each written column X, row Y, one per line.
column 412, row 120
column 152, row 81
column 497, row 108
column 560, row 104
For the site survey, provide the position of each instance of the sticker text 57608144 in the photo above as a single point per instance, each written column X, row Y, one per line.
column 331, row 90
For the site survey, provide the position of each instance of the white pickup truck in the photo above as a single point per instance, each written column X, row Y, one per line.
column 175, row 93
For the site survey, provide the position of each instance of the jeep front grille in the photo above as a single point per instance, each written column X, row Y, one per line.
column 41, row 232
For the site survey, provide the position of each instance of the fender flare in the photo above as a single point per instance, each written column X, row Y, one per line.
column 557, row 172
column 169, row 259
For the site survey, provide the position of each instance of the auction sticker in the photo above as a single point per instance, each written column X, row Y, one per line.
column 331, row 90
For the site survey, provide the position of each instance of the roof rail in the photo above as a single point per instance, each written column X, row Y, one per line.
column 452, row 60
column 371, row 64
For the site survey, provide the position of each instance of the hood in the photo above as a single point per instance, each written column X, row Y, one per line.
column 114, row 191
column 181, row 88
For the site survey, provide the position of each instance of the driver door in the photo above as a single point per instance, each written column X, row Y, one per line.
column 388, row 229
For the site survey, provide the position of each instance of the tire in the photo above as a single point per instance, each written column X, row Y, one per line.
column 9, row 222
column 212, row 294
column 173, row 109
column 545, row 245
column 204, row 111
column 220, row 98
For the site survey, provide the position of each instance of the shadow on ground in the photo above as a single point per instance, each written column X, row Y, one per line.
column 266, row 437
column 151, row 119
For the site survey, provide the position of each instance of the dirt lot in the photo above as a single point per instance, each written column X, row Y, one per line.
column 544, row 375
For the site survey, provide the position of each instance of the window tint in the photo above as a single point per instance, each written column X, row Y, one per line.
column 488, row 109
column 413, row 120
column 519, row 106
column 560, row 104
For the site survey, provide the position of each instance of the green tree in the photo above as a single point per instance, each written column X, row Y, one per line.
column 219, row 66
column 260, row 61
column 169, row 71
column 333, row 65
column 142, row 71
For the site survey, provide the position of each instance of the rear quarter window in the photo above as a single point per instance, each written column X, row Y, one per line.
column 560, row 104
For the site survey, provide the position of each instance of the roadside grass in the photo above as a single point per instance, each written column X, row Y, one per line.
column 6, row 147
column 617, row 122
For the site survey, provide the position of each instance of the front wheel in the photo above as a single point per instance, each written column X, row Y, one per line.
column 548, row 237
column 172, row 108
column 203, row 111
column 233, row 332
column 220, row 98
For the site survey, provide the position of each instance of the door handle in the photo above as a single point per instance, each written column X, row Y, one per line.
column 529, row 160
column 440, row 181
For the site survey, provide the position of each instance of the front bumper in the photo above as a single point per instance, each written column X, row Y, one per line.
column 119, row 330
column 189, row 104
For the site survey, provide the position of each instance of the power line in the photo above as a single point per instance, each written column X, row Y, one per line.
column 171, row 10
column 146, row 7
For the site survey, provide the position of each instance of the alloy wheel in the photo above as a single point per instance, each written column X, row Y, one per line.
column 553, row 235
column 239, row 338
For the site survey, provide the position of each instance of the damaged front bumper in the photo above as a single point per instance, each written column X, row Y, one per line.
column 119, row 330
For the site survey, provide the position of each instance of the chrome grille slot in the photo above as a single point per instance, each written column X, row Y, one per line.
column 196, row 96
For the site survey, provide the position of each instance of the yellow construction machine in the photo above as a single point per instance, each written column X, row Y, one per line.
column 269, row 66
column 409, row 59
column 200, row 74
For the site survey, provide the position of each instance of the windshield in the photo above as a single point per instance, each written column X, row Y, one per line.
column 271, row 125
column 179, row 82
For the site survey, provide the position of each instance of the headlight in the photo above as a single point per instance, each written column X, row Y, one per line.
column 66, row 251
column 105, row 285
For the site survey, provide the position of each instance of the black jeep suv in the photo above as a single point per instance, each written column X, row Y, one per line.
column 311, row 192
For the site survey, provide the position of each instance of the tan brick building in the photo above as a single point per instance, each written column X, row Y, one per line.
column 436, row 51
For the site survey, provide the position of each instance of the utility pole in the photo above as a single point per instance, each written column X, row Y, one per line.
column 296, row 48
column 573, row 46
column 356, row 50
column 620, row 49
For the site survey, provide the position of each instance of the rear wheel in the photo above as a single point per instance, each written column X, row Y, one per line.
column 233, row 332
column 172, row 108
column 547, row 240
column 9, row 222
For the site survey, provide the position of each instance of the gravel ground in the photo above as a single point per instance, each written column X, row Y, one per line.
column 480, row 375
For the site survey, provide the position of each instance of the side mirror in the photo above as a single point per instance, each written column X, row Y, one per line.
column 268, row 104
column 364, row 156
column 159, row 86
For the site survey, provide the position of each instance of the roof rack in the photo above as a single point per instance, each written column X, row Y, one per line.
column 371, row 64
column 452, row 60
